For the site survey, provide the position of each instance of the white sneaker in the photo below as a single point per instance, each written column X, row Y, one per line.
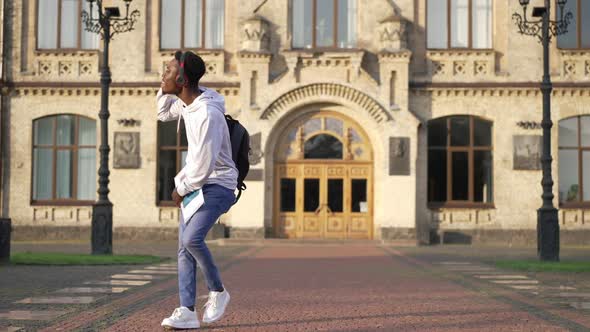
column 215, row 306
column 182, row 318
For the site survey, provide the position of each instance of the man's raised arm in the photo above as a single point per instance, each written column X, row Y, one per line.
column 169, row 106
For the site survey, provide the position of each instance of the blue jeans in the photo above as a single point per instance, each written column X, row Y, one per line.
column 193, row 251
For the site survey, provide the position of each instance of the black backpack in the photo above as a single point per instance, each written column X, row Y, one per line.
column 240, row 145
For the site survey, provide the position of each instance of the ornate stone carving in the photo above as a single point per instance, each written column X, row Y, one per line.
column 392, row 33
column 459, row 67
column 212, row 68
column 85, row 68
column 529, row 125
column 575, row 64
column 438, row 68
column 480, row 68
column 569, row 68
column 45, row 68
column 65, row 68
column 255, row 34
column 472, row 64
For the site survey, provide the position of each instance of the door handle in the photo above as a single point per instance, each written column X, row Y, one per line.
column 317, row 211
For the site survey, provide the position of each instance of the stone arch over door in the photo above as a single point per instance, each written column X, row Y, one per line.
column 323, row 178
column 328, row 93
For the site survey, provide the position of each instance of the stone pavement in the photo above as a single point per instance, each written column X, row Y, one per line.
column 326, row 286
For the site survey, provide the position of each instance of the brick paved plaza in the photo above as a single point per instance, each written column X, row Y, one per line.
column 304, row 286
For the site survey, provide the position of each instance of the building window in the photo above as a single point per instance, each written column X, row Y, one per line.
column 172, row 150
column 59, row 25
column 324, row 23
column 574, row 161
column 192, row 24
column 64, row 159
column 459, row 24
column 578, row 32
column 460, row 161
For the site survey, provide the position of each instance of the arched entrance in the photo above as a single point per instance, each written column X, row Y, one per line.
column 323, row 179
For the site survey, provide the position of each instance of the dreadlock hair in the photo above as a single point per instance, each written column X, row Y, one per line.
column 194, row 67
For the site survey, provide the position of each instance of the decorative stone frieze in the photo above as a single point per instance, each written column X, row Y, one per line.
column 61, row 214
column 95, row 91
column 496, row 92
column 168, row 215
column 343, row 65
column 255, row 34
column 575, row 64
column 392, row 33
column 77, row 66
column 462, row 218
column 574, row 218
column 464, row 64
column 326, row 91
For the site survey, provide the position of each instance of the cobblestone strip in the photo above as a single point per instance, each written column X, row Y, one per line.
column 567, row 318
column 561, row 295
column 97, row 319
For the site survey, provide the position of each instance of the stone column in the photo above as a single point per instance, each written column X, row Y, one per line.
column 254, row 61
column 394, row 61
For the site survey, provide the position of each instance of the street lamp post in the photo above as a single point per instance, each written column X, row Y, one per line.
column 107, row 23
column 544, row 28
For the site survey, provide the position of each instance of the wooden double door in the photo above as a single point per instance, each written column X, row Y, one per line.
column 331, row 200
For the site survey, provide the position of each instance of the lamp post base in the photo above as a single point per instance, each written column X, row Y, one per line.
column 548, row 234
column 102, row 228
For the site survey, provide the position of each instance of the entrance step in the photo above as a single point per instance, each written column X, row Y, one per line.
column 315, row 242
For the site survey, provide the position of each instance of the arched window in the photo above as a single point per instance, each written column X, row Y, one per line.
column 172, row 150
column 64, row 159
column 574, row 161
column 460, row 161
column 323, row 146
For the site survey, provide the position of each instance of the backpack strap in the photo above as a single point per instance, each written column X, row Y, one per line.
column 236, row 134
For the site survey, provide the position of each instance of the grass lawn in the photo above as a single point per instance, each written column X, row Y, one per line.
column 537, row 266
column 29, row 258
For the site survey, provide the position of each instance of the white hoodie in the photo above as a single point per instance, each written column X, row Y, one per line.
column 209, row 157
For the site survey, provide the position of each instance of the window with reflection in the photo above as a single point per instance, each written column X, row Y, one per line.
column 578, row 31
column 460, row 160
column 358, row 195
column 323, row 146
column 64, row 159
column 324, row 23
column 459, row 24
column 574, row 161
column 172, row 150
column 192, row 24
column 59, row 25
column 288, row 195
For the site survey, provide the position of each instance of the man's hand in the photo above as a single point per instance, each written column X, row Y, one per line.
column 176, row 198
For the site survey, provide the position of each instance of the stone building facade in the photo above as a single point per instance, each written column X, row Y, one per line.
column 369, row 119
